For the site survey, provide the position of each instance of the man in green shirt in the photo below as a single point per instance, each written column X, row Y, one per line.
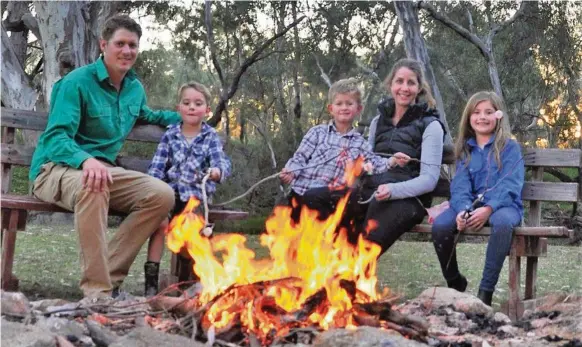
column 92, row 110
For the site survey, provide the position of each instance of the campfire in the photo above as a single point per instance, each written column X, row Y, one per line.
column 314, row 278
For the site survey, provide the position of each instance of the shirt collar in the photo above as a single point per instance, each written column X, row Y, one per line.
column 176, row 128
column 102, row 74
column 331, row 127
column 473, row 142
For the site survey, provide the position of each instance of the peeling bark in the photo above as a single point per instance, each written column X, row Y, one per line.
column 69, row 33
column 16, row 89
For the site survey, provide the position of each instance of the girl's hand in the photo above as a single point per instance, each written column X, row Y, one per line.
column 479, row 217
column 399, row 159
column 215, row 174
column 461, row 221
column 383, row 192
column 285, row 176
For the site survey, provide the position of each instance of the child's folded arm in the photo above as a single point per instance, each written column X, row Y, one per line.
column 512, row 175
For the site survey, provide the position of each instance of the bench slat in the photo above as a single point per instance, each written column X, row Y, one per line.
column 555, row 232
column 32, row 120
column 30, row 203
column 552, row 157
column 540, row 191
column 21, row 155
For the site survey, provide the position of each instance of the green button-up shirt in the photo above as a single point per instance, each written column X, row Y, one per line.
column 89, row 118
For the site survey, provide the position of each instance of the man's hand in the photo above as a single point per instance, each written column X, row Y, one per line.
column 285, row 176
column 461, row 220
column 399, row 159
column 96, row 176
column 214, row 174
column 479, row 217
column 383, row 192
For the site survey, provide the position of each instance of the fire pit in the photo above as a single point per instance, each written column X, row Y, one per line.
column 314, row 278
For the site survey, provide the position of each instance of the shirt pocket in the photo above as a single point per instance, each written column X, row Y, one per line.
column 130, row 117
column 99, row 122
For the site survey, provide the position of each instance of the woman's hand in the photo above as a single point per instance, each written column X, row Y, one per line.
column 461, row 221
column 383, row 192
column 399, row 159
column 285, row 176
column 479, row 217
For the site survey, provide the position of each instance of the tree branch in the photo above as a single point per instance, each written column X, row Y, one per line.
column 446, row 21
column 323, row 75
column 228, row 94
column 498, row 27
column 210, row 38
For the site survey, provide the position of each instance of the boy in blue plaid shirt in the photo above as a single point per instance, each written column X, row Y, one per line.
column 332, row 145
column 187, row 151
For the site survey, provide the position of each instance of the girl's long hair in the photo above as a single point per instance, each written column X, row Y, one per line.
column 502, row 130
column 424, row 94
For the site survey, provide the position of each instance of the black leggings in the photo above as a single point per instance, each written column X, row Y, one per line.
column 394, row 218
column 325, row 202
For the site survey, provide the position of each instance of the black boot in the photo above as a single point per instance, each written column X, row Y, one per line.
column 485, row 296
column 151, row 272
column 459, row 283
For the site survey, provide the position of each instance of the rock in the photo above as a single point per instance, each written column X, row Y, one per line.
column 22, row 335
column 540, row 323
column 462, row 302
column 148, row 337
column 499, row 317
column 100, row 334
column 363, row 336
column 508, row 330
column 43, row 305
column 14, row 304
column 63, row 327
column 66, row 310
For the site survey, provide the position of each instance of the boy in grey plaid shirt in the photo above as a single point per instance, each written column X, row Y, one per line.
column 333, row 145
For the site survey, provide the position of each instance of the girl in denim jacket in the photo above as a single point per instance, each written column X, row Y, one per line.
column 490, row 169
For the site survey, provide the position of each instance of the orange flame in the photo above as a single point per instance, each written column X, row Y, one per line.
column 307, row 259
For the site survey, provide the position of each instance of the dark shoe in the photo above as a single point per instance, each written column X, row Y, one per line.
column 151, row 271
column 115, row 292
column 485, row 296
column 459, row 284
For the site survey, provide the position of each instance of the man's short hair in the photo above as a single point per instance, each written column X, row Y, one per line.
column 345, row 86
column 120, row 21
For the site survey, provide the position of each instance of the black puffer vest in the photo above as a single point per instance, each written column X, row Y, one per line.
column 405, row 137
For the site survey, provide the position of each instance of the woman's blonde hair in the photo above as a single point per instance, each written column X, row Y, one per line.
column 424, row 94
column 502, row 130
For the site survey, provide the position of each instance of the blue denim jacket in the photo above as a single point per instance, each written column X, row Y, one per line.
column 482, row 173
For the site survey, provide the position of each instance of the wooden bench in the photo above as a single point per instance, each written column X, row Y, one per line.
column 15, row 207
column 529, row 241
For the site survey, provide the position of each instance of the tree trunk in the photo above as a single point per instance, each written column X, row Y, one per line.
column 69, row 31
column 19, row 40
column 494, row 75
column 16, row 89
column 416, row 49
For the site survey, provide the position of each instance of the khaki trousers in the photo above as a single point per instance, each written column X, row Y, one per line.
column 145, row 199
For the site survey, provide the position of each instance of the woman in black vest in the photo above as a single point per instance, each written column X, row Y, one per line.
column 407, row 129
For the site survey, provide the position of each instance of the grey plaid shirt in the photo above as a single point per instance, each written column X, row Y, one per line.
column 325, row 145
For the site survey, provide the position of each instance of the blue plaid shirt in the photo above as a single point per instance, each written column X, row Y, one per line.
column 320, row 145
column 184, row 165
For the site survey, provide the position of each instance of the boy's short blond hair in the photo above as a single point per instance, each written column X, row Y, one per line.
column 345, row 86
column 199, row 87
